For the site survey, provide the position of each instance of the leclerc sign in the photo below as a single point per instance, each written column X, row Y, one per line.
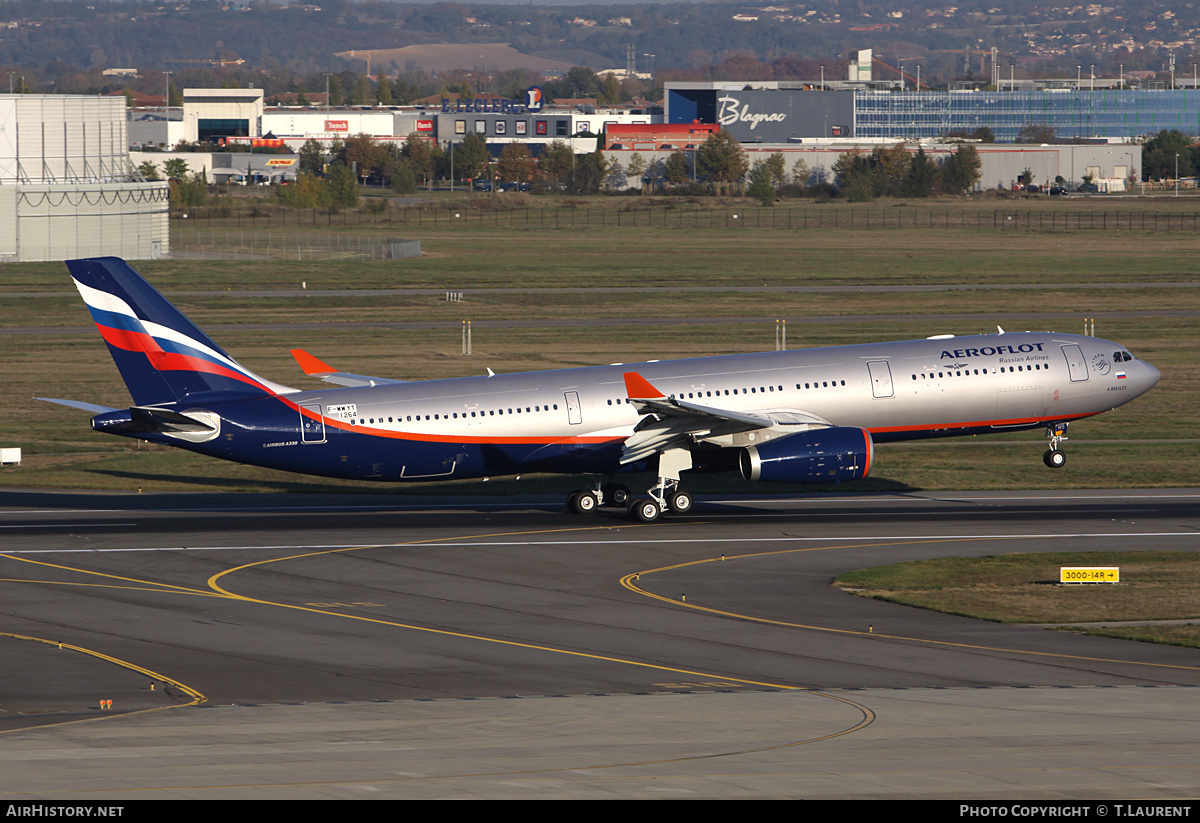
column 534, row 99
column 486, row 105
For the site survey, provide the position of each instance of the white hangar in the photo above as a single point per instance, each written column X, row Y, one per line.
column 67, row 186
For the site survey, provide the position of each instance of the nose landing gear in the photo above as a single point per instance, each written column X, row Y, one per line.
column 1054, row 458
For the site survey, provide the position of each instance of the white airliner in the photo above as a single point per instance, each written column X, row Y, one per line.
column 802, row 416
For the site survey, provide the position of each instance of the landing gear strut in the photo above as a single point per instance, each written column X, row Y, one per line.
column 1054, row 458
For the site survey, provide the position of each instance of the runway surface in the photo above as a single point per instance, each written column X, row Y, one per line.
column 390, row 646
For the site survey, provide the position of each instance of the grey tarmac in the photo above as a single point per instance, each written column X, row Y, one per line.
column 392, row 646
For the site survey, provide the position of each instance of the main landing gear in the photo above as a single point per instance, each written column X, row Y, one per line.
column 1053, row 457
column 666, row 496
column 586, row 501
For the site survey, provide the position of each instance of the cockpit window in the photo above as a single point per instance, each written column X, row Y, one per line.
column 1122, row 356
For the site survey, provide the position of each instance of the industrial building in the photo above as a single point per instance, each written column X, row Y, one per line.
column 812, row 121
column 805, row 121
column 67, row 187
column 782, row 112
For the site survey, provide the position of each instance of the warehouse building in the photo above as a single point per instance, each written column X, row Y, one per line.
column 67, row 187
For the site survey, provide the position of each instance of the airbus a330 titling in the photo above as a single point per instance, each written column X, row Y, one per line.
column 800, row 416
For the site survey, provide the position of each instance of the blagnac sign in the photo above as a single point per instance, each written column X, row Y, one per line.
column 732, row 110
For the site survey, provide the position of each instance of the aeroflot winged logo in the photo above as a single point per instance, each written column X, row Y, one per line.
column 729, row 114
column 988, row 351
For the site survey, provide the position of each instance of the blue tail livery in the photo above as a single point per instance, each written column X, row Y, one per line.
column 803, row 416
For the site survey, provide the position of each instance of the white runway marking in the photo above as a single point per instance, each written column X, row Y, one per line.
column 452, row 543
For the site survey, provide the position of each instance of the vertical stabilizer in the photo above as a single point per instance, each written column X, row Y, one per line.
column 162, row 356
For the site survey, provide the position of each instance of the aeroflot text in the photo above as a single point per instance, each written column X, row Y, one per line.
column 1118, row 810
column 988, row 351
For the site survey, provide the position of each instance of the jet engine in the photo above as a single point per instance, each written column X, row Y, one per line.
column 818, row 456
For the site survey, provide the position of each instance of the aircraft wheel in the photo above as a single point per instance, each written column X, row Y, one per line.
column 616, row 494
column 680, row 502
column 644, row 509
column 1054, row 458
column 582, row 502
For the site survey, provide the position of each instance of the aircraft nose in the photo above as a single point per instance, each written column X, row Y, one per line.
column 1151, row 374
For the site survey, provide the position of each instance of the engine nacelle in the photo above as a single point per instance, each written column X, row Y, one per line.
column 817, row 456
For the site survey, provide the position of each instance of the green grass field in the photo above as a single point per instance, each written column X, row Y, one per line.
column 1024, row 588
column 588, row 296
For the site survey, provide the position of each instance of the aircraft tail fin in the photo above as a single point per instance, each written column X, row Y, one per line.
column 162, row 356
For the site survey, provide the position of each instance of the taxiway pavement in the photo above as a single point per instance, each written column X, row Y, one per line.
column 389, row 646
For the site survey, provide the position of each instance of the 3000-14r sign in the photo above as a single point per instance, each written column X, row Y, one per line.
column 1089, row 574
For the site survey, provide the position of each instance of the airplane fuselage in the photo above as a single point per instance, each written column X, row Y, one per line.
column 576, row 420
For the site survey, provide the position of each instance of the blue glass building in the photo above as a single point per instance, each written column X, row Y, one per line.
column 1083, row 113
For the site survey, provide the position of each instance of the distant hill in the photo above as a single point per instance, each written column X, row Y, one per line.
column 440, row 57
column 579, row 57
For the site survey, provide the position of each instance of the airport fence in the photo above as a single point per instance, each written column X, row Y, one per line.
column 786, row 217
column 250, row 243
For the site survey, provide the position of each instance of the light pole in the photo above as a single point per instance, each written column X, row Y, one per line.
column 1176, row 174
column 822, row 77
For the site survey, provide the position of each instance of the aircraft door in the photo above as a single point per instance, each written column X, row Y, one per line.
column 574, row 414
column 1076, row 364
column 881, row 378
column 312, row 430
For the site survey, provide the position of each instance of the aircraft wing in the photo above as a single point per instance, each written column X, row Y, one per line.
column 318, row 368
column 673, row 423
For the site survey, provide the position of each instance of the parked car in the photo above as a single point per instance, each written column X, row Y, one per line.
column 1089, row 188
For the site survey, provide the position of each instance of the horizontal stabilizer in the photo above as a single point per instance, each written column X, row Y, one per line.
column 315, row 367
column 77, row 404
